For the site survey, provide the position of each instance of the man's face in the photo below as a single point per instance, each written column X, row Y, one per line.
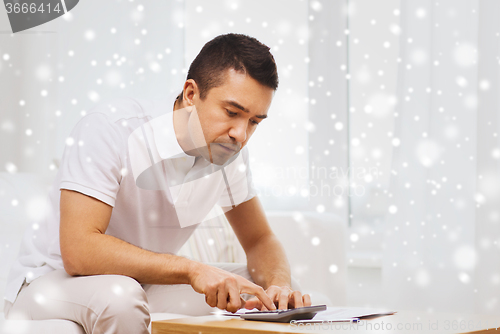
column 228, row 116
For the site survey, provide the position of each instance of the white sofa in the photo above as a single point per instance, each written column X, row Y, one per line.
column 313, row 242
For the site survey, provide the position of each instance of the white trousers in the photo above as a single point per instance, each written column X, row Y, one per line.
column 110, row 303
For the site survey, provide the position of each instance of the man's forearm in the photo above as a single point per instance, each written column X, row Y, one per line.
column 267, row 263
column 104, row 254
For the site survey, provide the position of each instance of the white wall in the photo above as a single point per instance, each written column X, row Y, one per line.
column 137, row 48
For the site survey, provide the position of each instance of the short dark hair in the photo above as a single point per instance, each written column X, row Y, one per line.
column 232, row 51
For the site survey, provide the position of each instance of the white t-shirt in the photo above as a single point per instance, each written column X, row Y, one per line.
column 125, row 153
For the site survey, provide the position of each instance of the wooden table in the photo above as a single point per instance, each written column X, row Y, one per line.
column 402, row 322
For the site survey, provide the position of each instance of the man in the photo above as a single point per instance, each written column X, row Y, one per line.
column 136, row 178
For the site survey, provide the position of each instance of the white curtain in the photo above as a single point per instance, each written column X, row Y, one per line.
column 442, row 235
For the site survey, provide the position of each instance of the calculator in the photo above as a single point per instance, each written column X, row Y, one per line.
column 299, row 313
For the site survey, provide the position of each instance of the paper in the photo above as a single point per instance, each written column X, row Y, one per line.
column 336, row 314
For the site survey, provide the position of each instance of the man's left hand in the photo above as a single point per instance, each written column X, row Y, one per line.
column 283, row 297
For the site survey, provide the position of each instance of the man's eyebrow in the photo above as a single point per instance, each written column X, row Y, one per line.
column 239, row 106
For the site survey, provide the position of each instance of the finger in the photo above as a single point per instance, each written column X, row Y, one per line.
column 234, row 299
column 242, row 303
column 253, row 303
column 307, row 300
column 258, row 291
column 274, row 295
column 297, row 299
column 283, row 301
column 222, row 296
column 211, row 298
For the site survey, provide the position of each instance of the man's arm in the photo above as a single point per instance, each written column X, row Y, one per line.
column 266, row 258
column 87, row 250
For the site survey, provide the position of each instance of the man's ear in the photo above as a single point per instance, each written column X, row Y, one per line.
column 190, row 93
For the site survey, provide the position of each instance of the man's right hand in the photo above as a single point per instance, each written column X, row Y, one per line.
column 222, row 289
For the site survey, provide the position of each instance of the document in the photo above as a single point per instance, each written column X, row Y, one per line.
column 337, row 314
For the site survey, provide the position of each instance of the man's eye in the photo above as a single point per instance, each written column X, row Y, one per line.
column 230, row 113
column 254, row 122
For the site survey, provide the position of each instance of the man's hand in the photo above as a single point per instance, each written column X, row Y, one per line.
column 222, row 289
column 283, row 296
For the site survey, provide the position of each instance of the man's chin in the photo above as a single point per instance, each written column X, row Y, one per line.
column 217, row 155
column 221, row 154
column 221, row 159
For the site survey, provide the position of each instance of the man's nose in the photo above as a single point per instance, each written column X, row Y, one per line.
column 238, row 131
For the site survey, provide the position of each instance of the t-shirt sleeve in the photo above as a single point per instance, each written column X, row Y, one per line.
column 91, row 162
column 239, row 176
